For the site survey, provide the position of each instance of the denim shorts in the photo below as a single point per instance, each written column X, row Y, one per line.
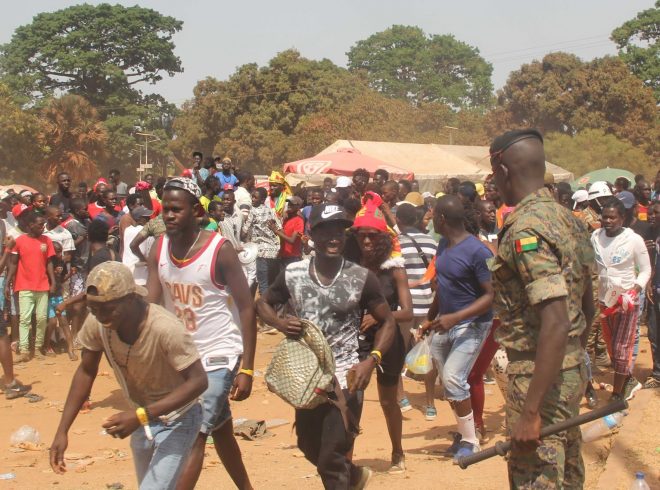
column 159, row 462
column 455, row 352
column 3, row 320
column 215, row 400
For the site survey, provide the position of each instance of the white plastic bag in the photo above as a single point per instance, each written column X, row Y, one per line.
column 419, row 360
column 25, row 434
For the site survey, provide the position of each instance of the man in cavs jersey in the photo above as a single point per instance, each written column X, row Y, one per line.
column 199, row 277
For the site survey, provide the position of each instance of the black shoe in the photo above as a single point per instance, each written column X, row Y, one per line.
column 590, row 395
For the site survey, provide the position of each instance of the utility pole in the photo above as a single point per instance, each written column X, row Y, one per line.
column 451, row 133
column 140, row 167
column 147, row 138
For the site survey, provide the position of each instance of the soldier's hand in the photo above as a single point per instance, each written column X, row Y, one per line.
column 526, row 434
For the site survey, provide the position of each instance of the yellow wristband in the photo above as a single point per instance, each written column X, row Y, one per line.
column 249, row 372
column 378, row 354
column 142, row 416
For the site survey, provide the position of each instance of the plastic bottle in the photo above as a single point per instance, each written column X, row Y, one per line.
column 640, row 482
column 601, row 427
column 11, row 476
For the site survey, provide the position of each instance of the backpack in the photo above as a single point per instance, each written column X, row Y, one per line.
column 302, row 370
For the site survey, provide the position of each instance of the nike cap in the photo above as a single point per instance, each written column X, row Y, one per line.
column 328, row 213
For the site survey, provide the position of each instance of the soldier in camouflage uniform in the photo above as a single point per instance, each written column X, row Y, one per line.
column 543, row 297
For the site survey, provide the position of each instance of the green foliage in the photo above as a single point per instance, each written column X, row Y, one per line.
column 93, row 51
column 152, row 115
column 295, row 107
column 251, row 115
column 403, row 62
column 593, row 149
column 563, row 94
column 639, row 46
column 20, row 152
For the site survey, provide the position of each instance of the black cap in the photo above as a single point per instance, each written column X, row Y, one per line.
column 328, row 213
column 503, row 141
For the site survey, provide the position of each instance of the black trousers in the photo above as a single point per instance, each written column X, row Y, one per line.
column 323, row 439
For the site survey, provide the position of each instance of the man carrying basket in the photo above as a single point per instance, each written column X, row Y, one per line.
column 332, row 293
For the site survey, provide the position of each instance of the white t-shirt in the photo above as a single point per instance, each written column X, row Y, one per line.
column 62, row 236
column 622, row 261
column 130, row 260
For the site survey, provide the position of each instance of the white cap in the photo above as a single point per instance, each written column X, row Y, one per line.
column 579, row 196
column 599, row 189
column 426, row 194
column 343, row 181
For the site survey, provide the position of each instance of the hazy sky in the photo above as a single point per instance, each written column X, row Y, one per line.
column 218, row 36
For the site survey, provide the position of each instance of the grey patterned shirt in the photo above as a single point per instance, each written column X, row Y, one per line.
column 257, row 231
column 335, row 309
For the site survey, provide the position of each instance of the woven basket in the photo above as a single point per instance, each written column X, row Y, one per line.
column 302, row 369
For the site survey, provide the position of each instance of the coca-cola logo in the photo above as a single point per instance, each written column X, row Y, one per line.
column 314, row 167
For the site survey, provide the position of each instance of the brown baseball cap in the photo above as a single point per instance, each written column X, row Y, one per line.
column 110, row 281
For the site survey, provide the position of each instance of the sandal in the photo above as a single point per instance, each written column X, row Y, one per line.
column 16, row 390
column 33, row 397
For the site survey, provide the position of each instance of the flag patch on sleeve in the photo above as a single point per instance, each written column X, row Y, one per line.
column 527, row 244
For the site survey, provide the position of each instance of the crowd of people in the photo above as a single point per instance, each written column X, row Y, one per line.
column 516, row 278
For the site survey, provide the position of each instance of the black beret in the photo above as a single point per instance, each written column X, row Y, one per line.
column 505, row 140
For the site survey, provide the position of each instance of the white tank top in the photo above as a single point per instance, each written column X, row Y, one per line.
column 205, row 306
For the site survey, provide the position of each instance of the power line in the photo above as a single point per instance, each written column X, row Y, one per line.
column 544, row 46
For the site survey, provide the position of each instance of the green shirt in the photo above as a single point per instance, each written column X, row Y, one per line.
column 544, row 253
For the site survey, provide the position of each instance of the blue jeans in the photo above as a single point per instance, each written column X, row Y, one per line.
column 215, row 400
column 455, row 352
column 159, row 462
column 267, row 271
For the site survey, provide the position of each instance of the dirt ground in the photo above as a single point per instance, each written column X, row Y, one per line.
column 96, row 461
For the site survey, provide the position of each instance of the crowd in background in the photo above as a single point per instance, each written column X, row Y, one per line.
column 429, row 250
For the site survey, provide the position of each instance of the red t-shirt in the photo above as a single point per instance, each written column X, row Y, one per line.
column 289, row 226
column 94, row 210
column 33, row 254
column 156, row 206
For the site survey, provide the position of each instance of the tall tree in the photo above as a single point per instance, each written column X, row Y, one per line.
column 150, row 115
column 251, row 115
column 638, row 41
column 20, row 151
column 563, row 94
column 90, row 50
column 592, row 149
column 74, row 137
column 406, row 63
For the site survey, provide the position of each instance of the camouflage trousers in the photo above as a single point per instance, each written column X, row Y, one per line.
column 557, row 462
column 596, row 345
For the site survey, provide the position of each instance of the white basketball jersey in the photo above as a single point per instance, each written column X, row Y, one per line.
column 205, row 307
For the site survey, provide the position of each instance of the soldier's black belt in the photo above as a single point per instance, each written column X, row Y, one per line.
column 516, row 355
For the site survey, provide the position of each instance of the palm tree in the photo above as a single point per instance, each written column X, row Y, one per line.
column 74, row 136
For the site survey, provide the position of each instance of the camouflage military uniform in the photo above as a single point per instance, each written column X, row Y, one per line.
column 544, row 253
column 596, row 346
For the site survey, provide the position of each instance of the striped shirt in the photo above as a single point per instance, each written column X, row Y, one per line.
column 422, row 294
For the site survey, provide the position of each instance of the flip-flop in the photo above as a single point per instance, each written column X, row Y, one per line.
column 16, row 391
column 33, row 397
